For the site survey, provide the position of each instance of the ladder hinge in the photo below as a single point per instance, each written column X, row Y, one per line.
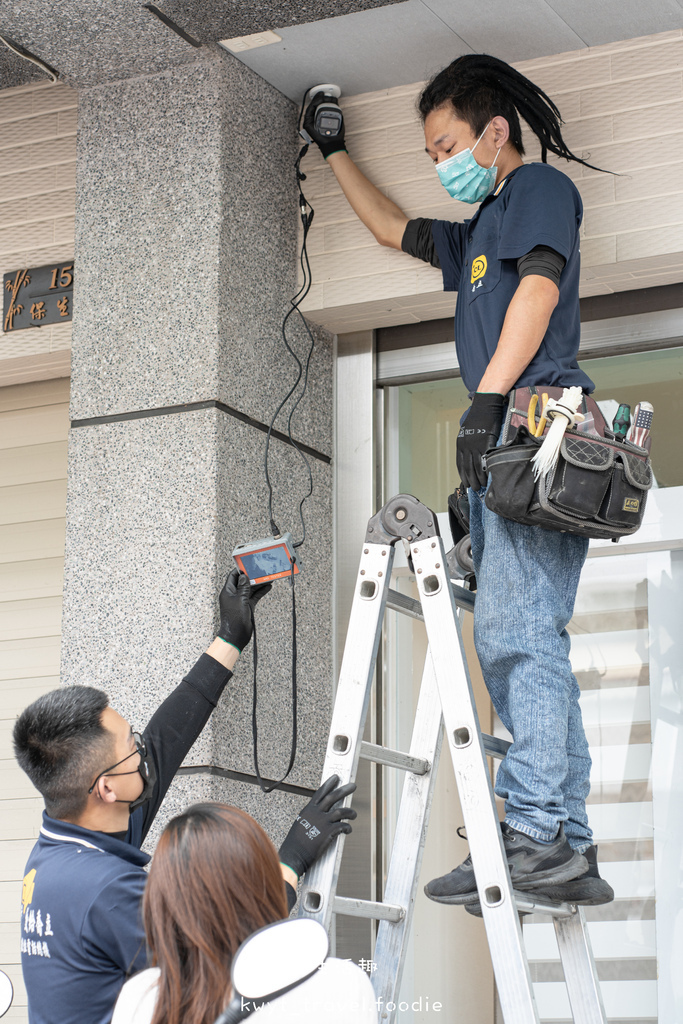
column 402, row 518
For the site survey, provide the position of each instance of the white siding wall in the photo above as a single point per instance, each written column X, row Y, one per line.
column 37, row 202
column 33, row 438
column 623, row 107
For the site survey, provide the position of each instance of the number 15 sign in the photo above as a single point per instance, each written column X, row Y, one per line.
column 38, row 296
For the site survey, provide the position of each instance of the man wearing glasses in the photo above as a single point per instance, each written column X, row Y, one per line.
column 81, row 927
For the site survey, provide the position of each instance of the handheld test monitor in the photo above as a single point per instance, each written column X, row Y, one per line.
column 266, row 560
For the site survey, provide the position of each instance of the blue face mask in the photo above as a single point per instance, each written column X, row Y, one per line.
column 465, row 179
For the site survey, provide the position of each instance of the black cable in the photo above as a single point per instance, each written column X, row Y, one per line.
column 254, row 713
column 21, row 51
column 306, row 212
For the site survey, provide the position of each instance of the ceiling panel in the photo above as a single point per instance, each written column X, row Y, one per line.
column 513, row 31
column 408, row 42
column 361, row 52
column 607, row 21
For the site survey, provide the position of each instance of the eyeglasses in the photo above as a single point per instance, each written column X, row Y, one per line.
column 140, row 748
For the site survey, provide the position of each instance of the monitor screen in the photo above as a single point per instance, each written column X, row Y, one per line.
column 266, row 563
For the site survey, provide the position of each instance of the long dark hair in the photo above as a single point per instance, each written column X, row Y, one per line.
column 214, row 880
column 480, row 87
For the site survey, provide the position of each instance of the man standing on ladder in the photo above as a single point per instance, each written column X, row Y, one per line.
column 515, row 265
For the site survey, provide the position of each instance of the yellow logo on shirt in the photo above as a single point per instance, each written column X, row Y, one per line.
column 27, row 889
column 479, row 268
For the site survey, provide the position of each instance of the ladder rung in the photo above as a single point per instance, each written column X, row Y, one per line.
column 366, row 908
column 409, row 606
column 494, row 746
column 526, row 903
column 463, row 598
column 405, row 604
column 394, row 758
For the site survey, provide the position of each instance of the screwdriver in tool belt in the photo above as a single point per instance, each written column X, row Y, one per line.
column 642, row 424
column 622, row 421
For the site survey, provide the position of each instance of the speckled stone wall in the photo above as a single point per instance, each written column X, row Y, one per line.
column 186, row 219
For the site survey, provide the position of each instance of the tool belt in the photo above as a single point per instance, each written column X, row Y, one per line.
column 597, row 489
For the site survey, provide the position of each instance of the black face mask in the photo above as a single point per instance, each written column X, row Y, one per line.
column 149, row 777
column 145, row 769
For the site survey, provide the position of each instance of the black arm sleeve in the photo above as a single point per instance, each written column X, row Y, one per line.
column 543, row 262
column 418, row 241
column 291, row 896
column 177, row 723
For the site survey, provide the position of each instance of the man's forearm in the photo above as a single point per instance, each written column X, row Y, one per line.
column 380, row 215
column 223, row 652
column 289, row 875
column 526, row 323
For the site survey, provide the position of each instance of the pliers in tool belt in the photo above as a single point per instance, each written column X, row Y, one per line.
column 536, row 429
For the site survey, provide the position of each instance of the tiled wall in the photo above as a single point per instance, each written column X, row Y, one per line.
column 37, row 197
column 623, row 108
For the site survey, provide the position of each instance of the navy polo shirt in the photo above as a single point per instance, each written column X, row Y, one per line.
column 81, row 925
column 535, row 205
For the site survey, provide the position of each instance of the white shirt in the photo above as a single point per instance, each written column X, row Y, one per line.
column 336, row 994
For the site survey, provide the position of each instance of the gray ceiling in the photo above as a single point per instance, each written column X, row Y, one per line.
column 410, row 41
column 364, row 45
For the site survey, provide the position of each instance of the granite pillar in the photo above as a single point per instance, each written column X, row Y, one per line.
column 186, row 255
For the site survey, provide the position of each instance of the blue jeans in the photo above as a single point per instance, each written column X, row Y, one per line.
column 527, row 579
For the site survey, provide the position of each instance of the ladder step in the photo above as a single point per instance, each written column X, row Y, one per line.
column 409, row 606
column 495, row 747
column 403, row 603
column 528, row 905
column 394, row 758
column 463, row 598
column 366, row 908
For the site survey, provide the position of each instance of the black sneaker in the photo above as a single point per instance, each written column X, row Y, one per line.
column 531, row 863
column 589, row 890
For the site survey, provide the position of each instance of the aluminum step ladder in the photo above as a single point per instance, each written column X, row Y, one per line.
column 445, row 698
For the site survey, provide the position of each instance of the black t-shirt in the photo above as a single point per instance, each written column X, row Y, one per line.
column 535, row 205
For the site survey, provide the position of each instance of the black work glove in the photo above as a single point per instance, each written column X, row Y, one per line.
column 479, row 432
column 317, row 825
column 326, row 145
column 237, row 602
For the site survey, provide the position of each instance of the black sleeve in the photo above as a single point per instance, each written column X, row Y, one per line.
column 418, row 241
column 177, row 723
column 543, row 262
column 291, row 896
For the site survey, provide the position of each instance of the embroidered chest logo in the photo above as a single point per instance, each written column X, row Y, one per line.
column 34, row 923
column 479, row 268
column 27, row 889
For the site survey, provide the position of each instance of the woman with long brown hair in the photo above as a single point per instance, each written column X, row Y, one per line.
column 215, row 879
